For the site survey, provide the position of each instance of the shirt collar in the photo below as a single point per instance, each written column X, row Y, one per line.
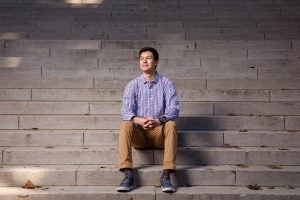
column 156, row 78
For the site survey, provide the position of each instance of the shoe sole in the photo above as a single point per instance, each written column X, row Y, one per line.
column 124, row 189
column 168, row 189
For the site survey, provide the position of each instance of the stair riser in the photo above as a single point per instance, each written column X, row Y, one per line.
column 183, row 177
column 185, row 157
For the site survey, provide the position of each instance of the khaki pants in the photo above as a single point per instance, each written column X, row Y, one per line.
column 160, row 137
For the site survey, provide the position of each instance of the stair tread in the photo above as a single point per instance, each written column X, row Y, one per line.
column 196, row 190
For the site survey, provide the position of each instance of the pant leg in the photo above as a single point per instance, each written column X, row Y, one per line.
column 167, row 139
column 130, row 136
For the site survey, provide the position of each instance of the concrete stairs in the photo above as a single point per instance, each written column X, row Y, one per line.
column 63, row 69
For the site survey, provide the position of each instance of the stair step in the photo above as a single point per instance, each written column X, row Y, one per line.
column 181, row 84
column 45, row 138
column 186, row 175
column 31, row 82
column 191, row 109
column 272, row 84
column 54, row 44
column 187, row 123
column 109, row 138
column 46, row 175
column 130, row 73
column 184, row 95
column 148, row 193
column 186, row 155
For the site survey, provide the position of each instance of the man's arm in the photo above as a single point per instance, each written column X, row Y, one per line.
column 172, row 103
column 129, row 106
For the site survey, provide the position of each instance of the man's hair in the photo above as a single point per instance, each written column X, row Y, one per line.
column 151, row 49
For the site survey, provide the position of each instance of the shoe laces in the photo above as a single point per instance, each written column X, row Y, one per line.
column 166, row 181
column 126, row 181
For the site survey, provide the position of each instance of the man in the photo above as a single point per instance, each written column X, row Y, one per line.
column 150, row 108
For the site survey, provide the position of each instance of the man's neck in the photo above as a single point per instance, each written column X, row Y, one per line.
column 149, row 76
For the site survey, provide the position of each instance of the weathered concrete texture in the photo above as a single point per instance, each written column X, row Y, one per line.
column 253, row 84
column 150, row 175
column 266, row 176
column 2, row 43
column 75, row 57
column 234, row 155
column 262, row 138
column 290, row 36
column 284, row 108
column 229, row 36
column 110, row 83
column 67, row 36
column 15, row 72
column 279, row 73
column 296, row 44
column 76, row 193
column 25, row 52
column 200, row 138
column 15, row 94
column 196, row 109
column 54, row 72
column 249, row 63
column 47, row 138
column 54, row 44
column 12, row 26
column 36, row 108
column 285, row 95
column 8, row 122
column 69, row 122
column 210, row 73
column 292, row 123
column 186, row 108
column 229, row 193
column 17, row 176
column 187, row 123
column 109, row 138
column 191, row 84
column 232, row 123
column 70, row 155
column 29, row 83
column 1, row 150
column 105, row 107
column 223, row 95
column 29, row 62
column 284, row 44
column 136, row 44
column 55, row 27
column 77, row 94
column 101, row 138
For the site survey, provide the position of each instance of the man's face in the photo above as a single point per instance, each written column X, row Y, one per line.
column 147, row 62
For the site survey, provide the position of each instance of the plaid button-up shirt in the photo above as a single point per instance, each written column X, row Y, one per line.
column 154, row 99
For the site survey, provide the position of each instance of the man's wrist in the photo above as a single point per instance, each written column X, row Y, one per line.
column 132, row 118
column 163, row 120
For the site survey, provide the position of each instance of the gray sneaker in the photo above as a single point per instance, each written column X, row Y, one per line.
column 127, row 183
column 165, row 182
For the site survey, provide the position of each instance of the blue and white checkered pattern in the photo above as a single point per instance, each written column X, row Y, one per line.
column 154, row 99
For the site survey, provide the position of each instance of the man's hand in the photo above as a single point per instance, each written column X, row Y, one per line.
column 146, row 123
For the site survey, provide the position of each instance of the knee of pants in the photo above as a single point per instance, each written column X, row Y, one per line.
column 171, row 125
column 126, row 125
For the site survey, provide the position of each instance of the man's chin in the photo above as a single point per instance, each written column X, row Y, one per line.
column 148, row 71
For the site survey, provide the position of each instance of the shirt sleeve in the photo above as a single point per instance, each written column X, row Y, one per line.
column 129, row 106
column 172, row 103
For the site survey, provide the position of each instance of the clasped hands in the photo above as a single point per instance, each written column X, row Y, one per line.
column 146, row 123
